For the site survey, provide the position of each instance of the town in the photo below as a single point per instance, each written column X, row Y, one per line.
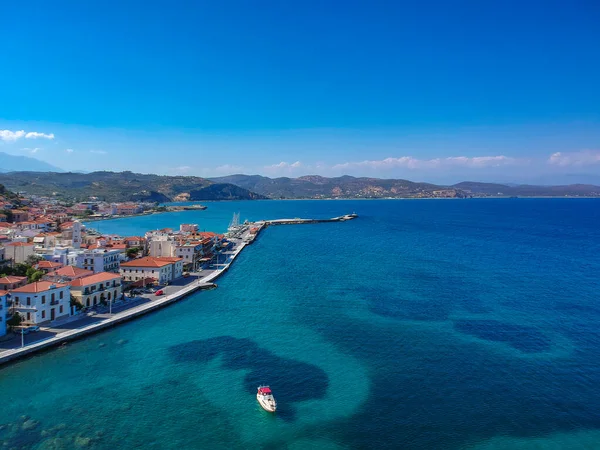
column 55, row 271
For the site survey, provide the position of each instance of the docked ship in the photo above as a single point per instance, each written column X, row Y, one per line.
column 265, row 398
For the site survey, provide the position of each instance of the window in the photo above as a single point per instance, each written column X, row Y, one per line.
column 61, row 309
column 61, row 295
column 43, row 314
column 28, row 301
column 52, row 297
column 43, row 299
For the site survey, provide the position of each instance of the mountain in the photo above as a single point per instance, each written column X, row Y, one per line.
column 11, row 163
column 122, row 186
column 315, row 186
column 525, row 190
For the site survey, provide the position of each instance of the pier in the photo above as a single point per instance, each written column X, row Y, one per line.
column 240, row 235
column 297, row 221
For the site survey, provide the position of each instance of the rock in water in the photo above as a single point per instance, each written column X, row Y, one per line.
column 29, row 424
column 81, row 441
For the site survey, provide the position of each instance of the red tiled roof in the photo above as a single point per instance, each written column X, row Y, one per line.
column 19, row 244
column 48, row 265
column 150, row 261
column 39, row 286
column 3, row 293
column 71, row 272
column 96, row 278
column 11, row 280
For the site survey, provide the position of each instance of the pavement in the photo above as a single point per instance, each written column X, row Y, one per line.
column 80, row 323
column 97, row 314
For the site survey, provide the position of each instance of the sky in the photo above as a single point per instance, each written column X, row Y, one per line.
column 425, row 90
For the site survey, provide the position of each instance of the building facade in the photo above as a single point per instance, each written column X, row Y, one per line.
column 42, row 301
column 164, row 270
column 161, row 246
column 189, row 252
column 18, row 252
column 97, row 288
column 99, row 260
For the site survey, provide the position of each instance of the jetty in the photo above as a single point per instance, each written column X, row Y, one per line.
column 241, row 235
column 297, row 220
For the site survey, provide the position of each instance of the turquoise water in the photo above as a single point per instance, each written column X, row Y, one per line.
column 421, row 325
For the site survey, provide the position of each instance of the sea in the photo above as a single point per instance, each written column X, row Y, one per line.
column 423, row 324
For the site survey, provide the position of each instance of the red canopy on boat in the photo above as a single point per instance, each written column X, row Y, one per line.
column 264, row 390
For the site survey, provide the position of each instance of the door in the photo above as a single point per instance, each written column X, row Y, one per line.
column 52, row 314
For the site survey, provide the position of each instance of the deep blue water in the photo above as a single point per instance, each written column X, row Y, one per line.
column 420, row 325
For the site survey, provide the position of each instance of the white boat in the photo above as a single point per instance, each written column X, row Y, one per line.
column 265, row 398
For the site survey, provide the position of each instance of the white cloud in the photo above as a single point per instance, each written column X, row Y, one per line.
column 583, row 157
column 69, row 150
column 35, row 135
column 32, row 150
column 285, row 167
column 11, row 136
column 98, row 152
column 408, row 162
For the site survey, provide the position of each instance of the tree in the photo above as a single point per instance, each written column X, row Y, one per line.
column 76, row 303
column 15, row 320
column 32, row 260
column 132, row 252
column 20, row 270
column 34, row 275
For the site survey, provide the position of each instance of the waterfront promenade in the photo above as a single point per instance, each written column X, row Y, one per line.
column 85, row 324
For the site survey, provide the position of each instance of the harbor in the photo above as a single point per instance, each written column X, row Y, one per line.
column 79, row 326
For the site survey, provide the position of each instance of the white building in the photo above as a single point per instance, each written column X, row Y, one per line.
column 99, row 260
column 163, row 270
column 161, row 246
column 63, row 255
column 42, row 301
column 190, row 252
column 18, row 251
column 76, row 238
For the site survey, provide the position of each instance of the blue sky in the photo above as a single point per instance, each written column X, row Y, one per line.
column 431, row 90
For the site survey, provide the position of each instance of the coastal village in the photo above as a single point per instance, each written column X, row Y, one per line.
column 61, row 279
column 54, row 270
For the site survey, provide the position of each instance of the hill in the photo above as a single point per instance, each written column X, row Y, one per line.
column 314, row 186
column 10, row 163
column 524, row 190
column 122, row 186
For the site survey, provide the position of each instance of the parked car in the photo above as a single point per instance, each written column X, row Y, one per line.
column 186, row 274
column 32, row 328
column 159, row 292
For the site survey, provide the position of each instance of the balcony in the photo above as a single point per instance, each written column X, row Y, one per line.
column 54, row 302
